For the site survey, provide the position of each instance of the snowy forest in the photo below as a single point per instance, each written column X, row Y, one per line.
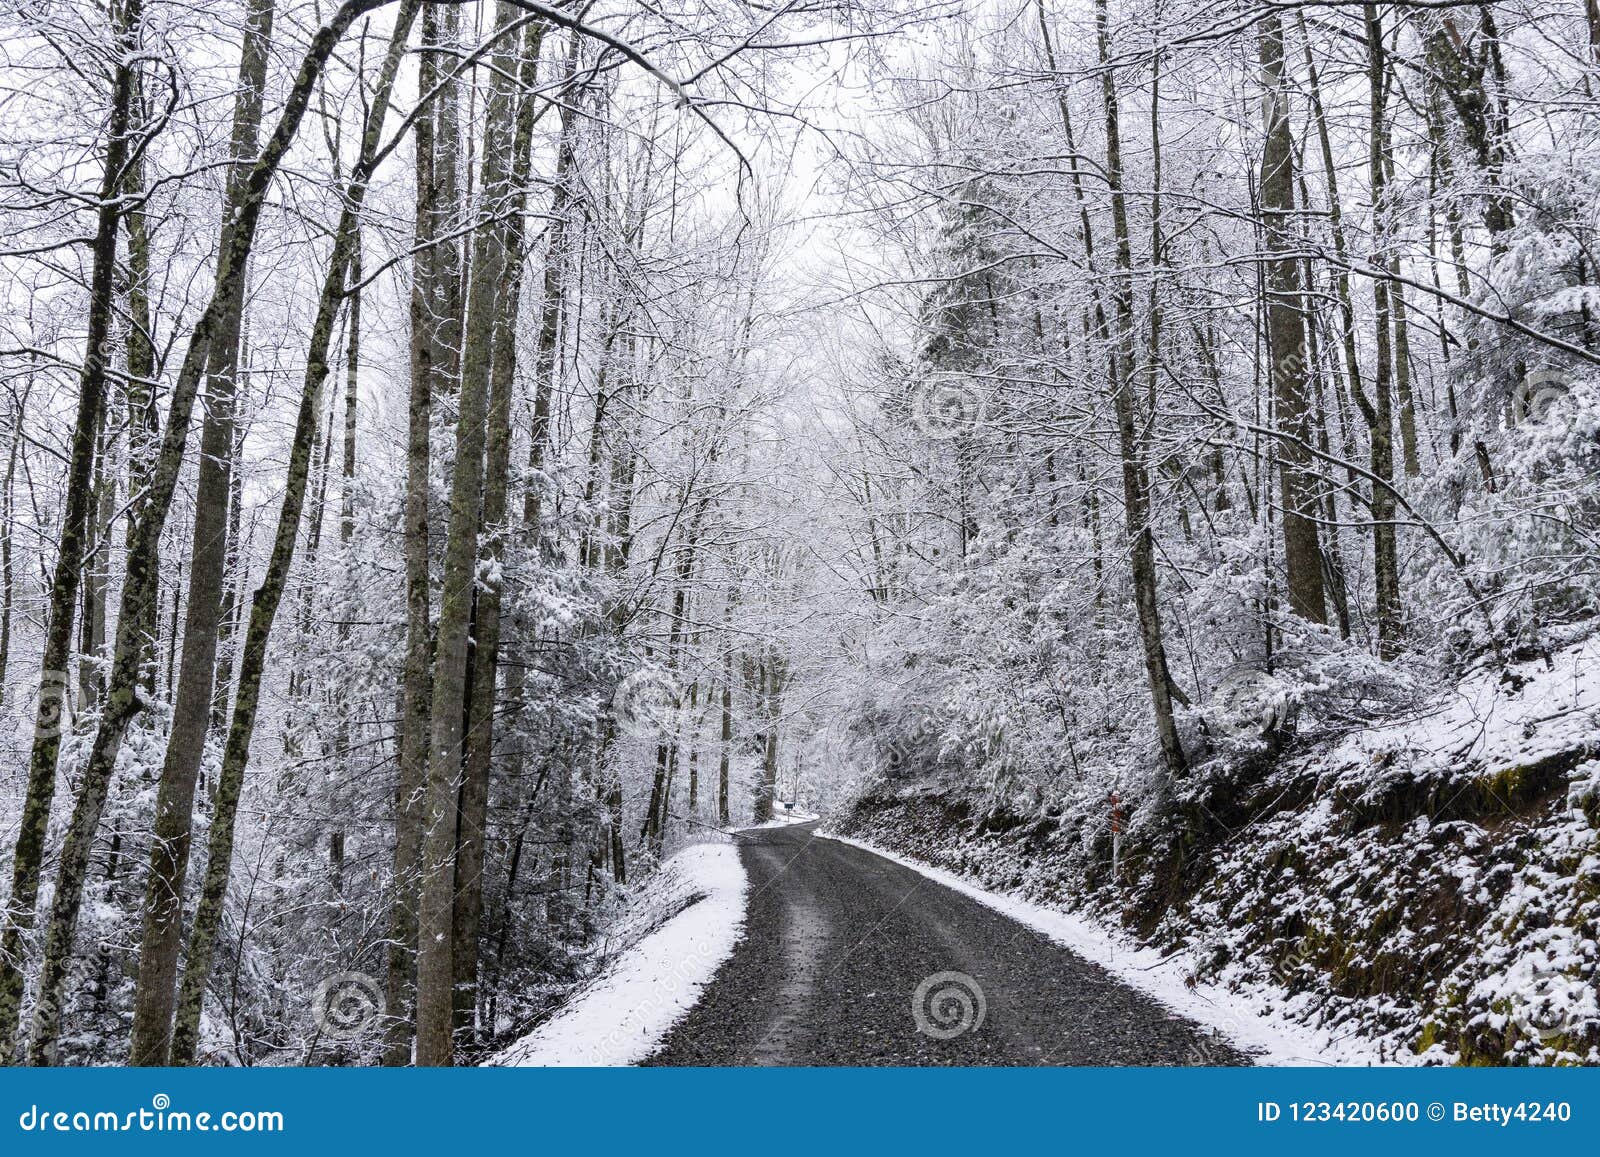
column 1139, row 454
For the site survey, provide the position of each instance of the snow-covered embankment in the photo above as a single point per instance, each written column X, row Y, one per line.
column 696, row 908
column 1421, row 889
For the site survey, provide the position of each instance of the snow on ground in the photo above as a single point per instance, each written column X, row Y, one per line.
column 1416, row 890
column 1535, row 958
column 698, row 905
column 781, row 819
column 1247, row 1020
column 1486, row 722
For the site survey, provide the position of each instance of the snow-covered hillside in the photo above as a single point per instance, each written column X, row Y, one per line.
column 1428, row 885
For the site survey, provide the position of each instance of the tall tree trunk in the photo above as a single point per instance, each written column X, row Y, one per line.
column 666, row 753
column 96, row 577
column 1286, row 330
column 431, row 362
column 725, row 745
column 235, row 574
column 155, row 989
column 268, row 596
column 1410, row 455
column 551, row 308
column 435, row 947
column 144, row 421
column 1318, row 396
column 7, row 526
column 1385, row 546
column 1402, row 374
column 28, row 858
column 1135, row 484
column 1463, row 77
column 1341, row 248
column 771, row 707
column 474, row 807
column 693, row 743
column 352, row 381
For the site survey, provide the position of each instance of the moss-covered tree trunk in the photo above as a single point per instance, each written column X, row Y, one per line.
column 155, row 988
column 441, row 827
column 428, row 361
column 470, row 859
column 28, row 859
column 264, row 604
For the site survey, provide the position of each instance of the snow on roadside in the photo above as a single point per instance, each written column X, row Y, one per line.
column 784, row 819
column 623, row 1014
column 1250, row 1021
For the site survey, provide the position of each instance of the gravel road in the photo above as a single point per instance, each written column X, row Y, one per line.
column 837, row 942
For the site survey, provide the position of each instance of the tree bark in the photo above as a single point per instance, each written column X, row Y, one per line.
column 429, row 362
column 435, row 947
column 511, row 200
column 1286, row 331
column 771, row 704
column 725, row 745
column 28, row 859
column 7, row 524
column 1385, row 546
column 264, row 604
column 1463, row 78
column 155, row 989
column 1341, row 248
column 1135, row 484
